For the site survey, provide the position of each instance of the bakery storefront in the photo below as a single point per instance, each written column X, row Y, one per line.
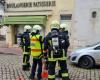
column 19, row 13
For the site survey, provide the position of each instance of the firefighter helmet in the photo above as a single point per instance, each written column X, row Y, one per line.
column 55, row 24
column 27, row 27
column 64, row 26
column 36, row 27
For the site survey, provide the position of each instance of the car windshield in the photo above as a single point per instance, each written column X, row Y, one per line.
column 92, row 44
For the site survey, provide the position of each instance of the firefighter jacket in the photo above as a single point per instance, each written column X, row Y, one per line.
column 36, row 45
column 63, row 45
column 25, row 41
column 64, row 35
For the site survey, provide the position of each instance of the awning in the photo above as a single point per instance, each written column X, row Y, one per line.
column 25, row 20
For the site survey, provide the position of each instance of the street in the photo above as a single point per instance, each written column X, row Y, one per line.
column 10, row 69
column 34, row 29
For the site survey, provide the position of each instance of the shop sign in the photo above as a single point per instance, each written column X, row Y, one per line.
column 31, row 6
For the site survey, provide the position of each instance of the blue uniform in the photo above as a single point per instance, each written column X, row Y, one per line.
column 25, row 44
column 57, row 54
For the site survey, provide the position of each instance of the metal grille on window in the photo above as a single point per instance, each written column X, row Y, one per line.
column 66, row 16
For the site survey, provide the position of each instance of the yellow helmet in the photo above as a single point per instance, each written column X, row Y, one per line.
column 27, row 27
column 65, row 26
column 55, row 24
column 36, row 27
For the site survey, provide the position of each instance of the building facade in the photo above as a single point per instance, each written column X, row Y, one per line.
column 19, row 13
column 2, row 31
column 86, row 22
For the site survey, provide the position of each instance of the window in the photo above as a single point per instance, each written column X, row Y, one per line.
column 97, row 48
column 2, row 2
column 94, row 14
column 65, row 16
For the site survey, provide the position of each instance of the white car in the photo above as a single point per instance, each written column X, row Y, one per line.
column 86, row 57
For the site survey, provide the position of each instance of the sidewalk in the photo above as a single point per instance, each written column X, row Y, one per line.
column 4, row 48
column 11, row 67
column 12, row 50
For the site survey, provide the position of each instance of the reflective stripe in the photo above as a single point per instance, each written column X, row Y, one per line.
column 36, row 50
column 23, row 48
column 35, row 45
column 50, row 59
column 23, row 40
column 26, row 53
column 65, row 75
column 63, row 58
column 58, row 67
column 51, row 76
column 50, row 41
column 52, row 54
column 34, row 40
column 55, row 59
column 63, row 52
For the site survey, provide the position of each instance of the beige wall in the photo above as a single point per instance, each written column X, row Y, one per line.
column 62, row 7
column 9, row 36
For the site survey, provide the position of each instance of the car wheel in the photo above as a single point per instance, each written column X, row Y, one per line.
column 86, row 62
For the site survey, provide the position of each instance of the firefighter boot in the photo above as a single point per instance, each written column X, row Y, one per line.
column 24, row 67
column 67, row 78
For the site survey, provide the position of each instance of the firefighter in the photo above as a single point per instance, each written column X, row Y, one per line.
column 54, row 42
column 64, row 31
column 64, row 28
column 36, row 51
column 25, row 44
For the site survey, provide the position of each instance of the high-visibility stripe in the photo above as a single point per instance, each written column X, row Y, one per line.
column 63, row 58
column 26, row 53
column 23, row 48
column 23, row 40
column 50, row 59
column 51, row 76
column 36, row 50
column 35, row 46
column 34, row 39
column 63, row 52
column 55, row 59
column 50, row 41
column 65, row 75
column 52, row 54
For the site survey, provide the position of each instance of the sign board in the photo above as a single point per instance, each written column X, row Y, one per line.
column 30, row 5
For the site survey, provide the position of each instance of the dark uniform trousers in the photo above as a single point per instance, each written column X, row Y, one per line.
column 36, row 61
column 63, row 66
column 26, row 58
column 25, row 44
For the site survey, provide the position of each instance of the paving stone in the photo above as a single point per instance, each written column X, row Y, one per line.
column 11, row 68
